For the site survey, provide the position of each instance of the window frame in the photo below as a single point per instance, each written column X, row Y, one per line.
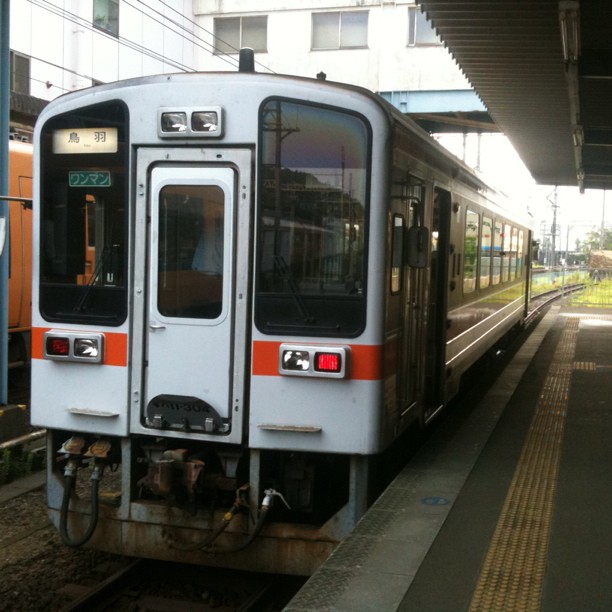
column 17, row 76
column 334, row 314
column 497, row 256
column 111, row 25
column 519, row 255
column 470, row 263
column 234, row 46
column 398, row 233
column 340, row 15
column 506, row 248
column 66, row 295
column 485, row 270
column 417, row 20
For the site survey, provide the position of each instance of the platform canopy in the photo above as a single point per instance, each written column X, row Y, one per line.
column 543, row 69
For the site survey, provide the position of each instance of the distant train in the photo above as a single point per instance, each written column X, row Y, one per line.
column 246, row 288
column 20, row 262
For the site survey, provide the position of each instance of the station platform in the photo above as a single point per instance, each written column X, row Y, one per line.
column 508, row 508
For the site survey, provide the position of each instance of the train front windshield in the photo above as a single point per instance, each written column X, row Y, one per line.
column 84, row 217
column 311, row 220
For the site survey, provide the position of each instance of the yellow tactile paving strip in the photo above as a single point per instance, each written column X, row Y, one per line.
column 513, row 572
column 587, row 366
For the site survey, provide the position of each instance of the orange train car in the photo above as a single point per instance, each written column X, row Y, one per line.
column 20, row 271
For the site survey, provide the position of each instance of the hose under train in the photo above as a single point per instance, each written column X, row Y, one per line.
column 69, row 484
column 207, row 545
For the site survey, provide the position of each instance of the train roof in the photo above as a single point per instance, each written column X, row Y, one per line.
column 444, row 159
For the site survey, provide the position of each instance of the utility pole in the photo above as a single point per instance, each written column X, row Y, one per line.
column 554, row 229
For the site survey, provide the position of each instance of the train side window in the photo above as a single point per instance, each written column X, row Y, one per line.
column 486, row 241
column 519, row 259
column 505, row 266
column 397, row 253
column 513, row 253
column 497, row 253
column 470, row 251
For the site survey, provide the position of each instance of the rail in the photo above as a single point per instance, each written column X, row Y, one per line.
column 106, row 592
column 544, row 299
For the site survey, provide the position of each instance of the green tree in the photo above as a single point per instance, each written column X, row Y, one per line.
column 593, row 241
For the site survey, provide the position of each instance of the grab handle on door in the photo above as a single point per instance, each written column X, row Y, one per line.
column 156, row 326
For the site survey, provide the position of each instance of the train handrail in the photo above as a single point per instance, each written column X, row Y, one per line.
column 27, row 202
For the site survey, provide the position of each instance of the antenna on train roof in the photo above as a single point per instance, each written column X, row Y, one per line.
column 246, row 60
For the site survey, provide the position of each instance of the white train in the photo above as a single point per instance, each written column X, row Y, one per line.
column 246, row 287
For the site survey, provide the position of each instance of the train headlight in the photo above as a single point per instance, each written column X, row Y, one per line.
column 205, row 121
column 314, row 361
column 87, row 348
column 173, row 122
column 185, row 122
column 297, row 361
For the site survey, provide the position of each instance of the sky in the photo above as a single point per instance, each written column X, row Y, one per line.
column 501, row 167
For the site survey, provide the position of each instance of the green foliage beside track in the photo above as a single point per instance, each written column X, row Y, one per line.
column 597, row 294
column 15, row 463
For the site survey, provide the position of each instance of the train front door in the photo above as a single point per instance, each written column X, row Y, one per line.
column 196, row 278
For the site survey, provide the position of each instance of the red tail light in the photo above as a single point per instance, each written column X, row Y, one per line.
column 328, row 362
column 58, row 347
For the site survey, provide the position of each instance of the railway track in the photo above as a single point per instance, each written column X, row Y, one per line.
column 158, row 586
column 43, row 574
column 544, row 299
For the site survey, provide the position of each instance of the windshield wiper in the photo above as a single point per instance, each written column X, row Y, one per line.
column 80, row 305
column 281, row 265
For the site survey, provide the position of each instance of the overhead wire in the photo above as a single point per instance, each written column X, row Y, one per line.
column 165, row 21
column 205, row 45
column 208, row 32
column 88, row 25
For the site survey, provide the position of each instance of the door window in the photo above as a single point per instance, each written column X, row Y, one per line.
column 190, row 251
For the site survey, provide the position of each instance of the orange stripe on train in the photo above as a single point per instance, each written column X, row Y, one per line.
column 366, row 361
column 115, row 346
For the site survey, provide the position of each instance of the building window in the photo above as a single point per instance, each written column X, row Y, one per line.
column 20, row 73
column 420, row 30
column 346, row 30
column 106, row 16
column 234, row 33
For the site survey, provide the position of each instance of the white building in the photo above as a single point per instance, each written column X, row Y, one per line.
column 63, row 45
column 387, row 46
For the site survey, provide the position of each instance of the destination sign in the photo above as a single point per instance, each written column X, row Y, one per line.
column 89, row 178
column 85, row 140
